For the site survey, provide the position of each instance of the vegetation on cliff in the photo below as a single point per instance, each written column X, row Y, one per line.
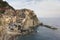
column 3, row 6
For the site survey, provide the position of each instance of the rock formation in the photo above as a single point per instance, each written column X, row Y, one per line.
column 24, row 20
column 16, row 22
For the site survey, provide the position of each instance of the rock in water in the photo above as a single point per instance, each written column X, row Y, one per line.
column 16, row 22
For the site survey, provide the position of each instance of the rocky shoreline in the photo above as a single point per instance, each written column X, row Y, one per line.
column 16, row 22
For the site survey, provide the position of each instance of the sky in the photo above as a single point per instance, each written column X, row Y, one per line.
column 42, row 8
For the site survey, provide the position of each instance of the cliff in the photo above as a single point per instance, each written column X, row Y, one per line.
column 20, row 20
column 16, row 22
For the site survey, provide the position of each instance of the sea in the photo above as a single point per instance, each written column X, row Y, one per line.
column 44, row 33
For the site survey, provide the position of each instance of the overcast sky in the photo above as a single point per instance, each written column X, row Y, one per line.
column 42, row 8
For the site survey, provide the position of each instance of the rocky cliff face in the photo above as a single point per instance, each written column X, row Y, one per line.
column 16, row 22
column 23, row 19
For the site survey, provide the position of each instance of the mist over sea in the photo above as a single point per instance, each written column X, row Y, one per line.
column 44, row 33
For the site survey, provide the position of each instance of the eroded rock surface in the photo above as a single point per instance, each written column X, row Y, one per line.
column 23, row 20
column 16, row 22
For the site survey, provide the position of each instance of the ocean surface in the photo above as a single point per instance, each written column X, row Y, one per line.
column 44, row 33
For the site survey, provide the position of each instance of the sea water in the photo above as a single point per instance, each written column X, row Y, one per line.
column 44, row 33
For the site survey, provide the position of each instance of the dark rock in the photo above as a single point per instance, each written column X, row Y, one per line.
column 4, row 6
